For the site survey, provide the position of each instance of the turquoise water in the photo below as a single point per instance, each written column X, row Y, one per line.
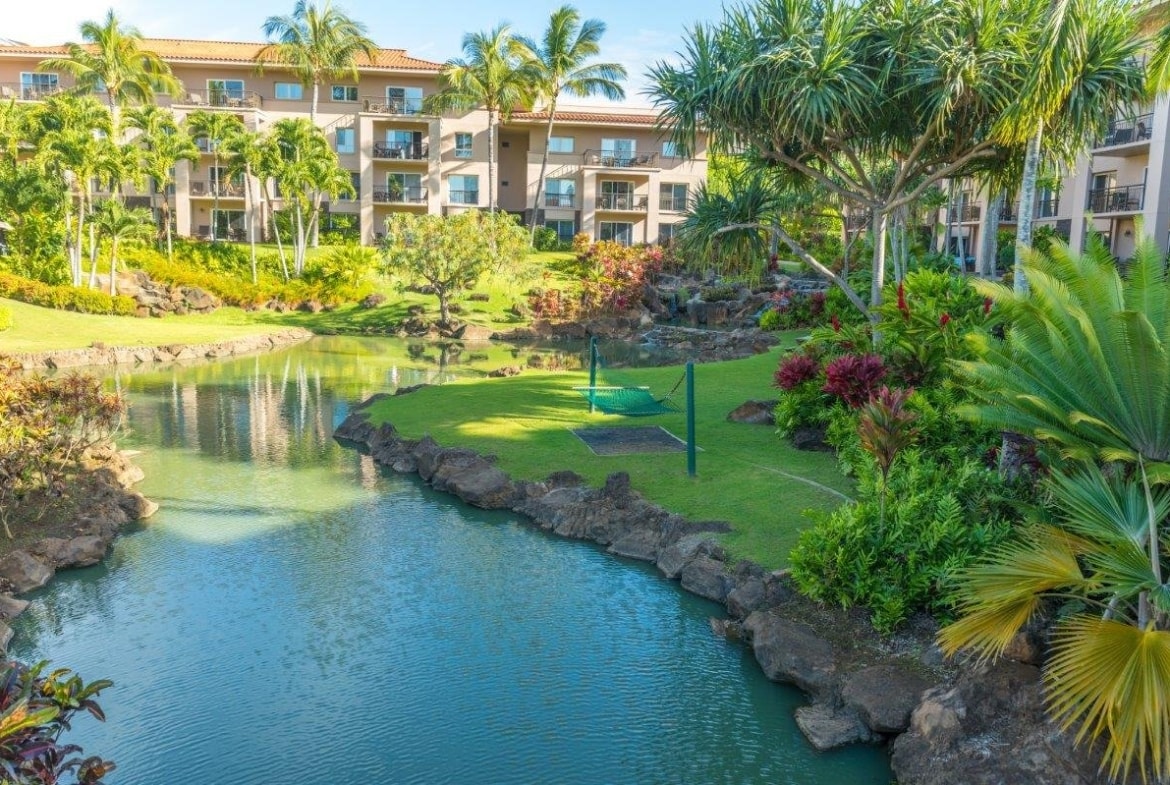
column 294, row 614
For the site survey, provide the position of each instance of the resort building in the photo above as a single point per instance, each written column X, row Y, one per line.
column 611, row 174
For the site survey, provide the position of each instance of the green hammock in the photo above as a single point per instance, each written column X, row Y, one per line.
column 630, row 401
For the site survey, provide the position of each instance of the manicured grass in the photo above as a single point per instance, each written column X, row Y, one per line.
column 747, row 475
column 38, row 329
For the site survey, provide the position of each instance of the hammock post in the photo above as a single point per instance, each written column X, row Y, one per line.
column 691, row 419
column 592, row 369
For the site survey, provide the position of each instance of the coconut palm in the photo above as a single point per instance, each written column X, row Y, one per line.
column 216, row 128
column 119, row 225
column 248, row 152
column 111, row 59
column 559, row 63
column 489, row 75
column 163, row 146
column 317, row 42
column 1085, row 370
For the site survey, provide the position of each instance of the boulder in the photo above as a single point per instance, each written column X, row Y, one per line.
column 883, row 696
column 748, row 596
column 84, row 551
column 474, row 332
column 137, row 507
column 5, row 636
column 372, row 301
column 792, row 652
column 20, row 572
column 476, row 482
column 754, row 413
column 706, row 577
column 505, row 371
column 198, row 299
column 810, row 439
column 827, row 728
column 10, row 607
column 672, row 559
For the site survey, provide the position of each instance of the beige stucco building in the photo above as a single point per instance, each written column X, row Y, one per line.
column 610, row 175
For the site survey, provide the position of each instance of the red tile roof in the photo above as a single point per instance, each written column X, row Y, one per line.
column 234, row 52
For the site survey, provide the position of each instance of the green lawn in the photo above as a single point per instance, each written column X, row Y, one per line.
column 747, row 475
column 38, row 329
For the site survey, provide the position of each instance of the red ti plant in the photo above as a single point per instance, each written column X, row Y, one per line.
column 885, row 429
column 854, row 378
column 795, row 370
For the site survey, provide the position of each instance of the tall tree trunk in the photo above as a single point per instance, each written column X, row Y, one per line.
column 93, row 256
column 81, row 203
column 313, row 107
column 167, row 221
column 491, row 160
column 1027, row 200
column 70, row 251
column 880, row 223
column 114, row 266
column 299, row 244
column 251, row 218
column 215, row 195
column 552, row 111
column 990, row 245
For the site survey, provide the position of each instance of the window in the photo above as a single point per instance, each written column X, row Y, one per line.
column 403, row 187
column 344, row 92
column 355, row 180
column 618, row 152
column 559, row 193
column 289, row 91
column 618, row 195
column 462, row 145
column 560, row 144
column 404, row 100
column 229, row 224
column 401, row 145
column 622, row 233
column 34, row 86
column 673, row 197
column 565, row 229
column 669, row 150
column 344, row 140
column 666, row 233
column 225, row 92
column 463, row 188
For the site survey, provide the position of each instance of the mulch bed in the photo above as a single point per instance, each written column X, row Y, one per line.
column 630, row 441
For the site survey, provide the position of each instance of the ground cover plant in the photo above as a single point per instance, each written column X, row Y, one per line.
column 744, row 476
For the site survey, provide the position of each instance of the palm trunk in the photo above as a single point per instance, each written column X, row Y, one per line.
column 491, row 160
column 215, row 195
column 114, row 266
column 167, row 222
column 299, row 244
column 313, row 106
column 74, row 258
column 251, row 218
column 880, row 225
column 552, row 110
column 990, row 245
column 93, row 256
column 1027, row 198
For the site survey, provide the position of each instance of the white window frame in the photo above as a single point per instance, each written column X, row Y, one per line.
column 466, row 151
column 601, row 231
column 464, row 190
column 554, row 145
column 347, row 90
column 350, row 148
column 670, row 149
column 411, row 103
column 296, row 91
column 30, row 83
column 223, row 86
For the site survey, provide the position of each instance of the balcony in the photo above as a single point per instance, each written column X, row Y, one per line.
column 671, row 204
column 1009, row 213
column 1121, row 199
column 401, row 151
column 966, row 213
column 214, row 188
column 469, row 198
column 1047, row 208
column 1128, row 131
column 226, row 99
column 28, row 92
column 568, row 201
column 620, row 160
column 400, row 195
column 630, row 202
column 380, row 104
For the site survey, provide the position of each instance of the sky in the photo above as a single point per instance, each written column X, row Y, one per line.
column 639, row 33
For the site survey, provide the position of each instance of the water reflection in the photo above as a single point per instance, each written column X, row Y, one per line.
column 295, row 614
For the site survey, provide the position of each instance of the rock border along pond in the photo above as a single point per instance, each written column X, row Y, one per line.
column 946, row 723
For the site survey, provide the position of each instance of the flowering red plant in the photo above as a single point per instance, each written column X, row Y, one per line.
column 854, row 378
column 795, row 370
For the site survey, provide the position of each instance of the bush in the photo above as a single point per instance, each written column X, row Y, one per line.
column 939, row 518
column 790, row 310
column 5, row 319
column 546, row 239
column 65, row 298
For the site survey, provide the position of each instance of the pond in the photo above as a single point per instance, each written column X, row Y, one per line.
column 293, row 613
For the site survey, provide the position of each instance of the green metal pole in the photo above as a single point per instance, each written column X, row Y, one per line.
column 691, row 419
column 592, row 369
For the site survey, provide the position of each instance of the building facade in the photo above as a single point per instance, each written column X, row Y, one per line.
column 611, row 174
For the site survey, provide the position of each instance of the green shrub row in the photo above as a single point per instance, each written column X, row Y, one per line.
column 65, row 298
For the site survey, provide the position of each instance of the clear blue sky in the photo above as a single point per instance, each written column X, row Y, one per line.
column 639, row 33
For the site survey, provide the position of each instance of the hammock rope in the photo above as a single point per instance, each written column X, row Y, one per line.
column 630, row 401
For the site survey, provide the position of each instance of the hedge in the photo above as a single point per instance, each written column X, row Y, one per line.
column 65, row 298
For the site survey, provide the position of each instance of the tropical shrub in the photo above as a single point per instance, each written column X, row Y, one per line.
column 35, row 710
column 45, row 426
column 5, row 318
column 546, row 239
column 789, row 309
column 65, row 298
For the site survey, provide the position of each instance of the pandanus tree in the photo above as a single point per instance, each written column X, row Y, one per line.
column 316, row 42
column 489, row 75
column 163, row 144
column 1085, row 371
column 832, row 89
column 560, row 63
column 112, row 61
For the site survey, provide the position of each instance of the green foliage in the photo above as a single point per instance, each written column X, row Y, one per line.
column 34, row 207
column 35, row 710
column 346, row 267
column 451, row 253
column 546, row 239
column 67, row 298
column 939, row 518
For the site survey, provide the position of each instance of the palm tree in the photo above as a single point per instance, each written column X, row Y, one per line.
column 489, row 75
column 248, row 152
column 1089, row 70
column 217, row 128
column 316, row 42
column 163, row 145
column 119, row 224
column 558, row 64
column 114, row 62
column 1085, row 370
